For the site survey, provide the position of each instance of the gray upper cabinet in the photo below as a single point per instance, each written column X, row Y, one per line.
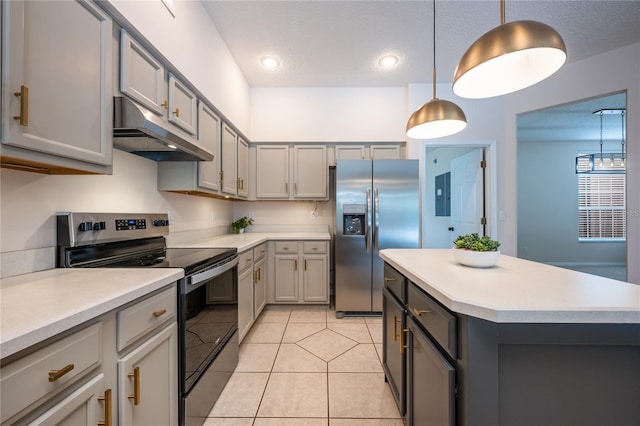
column 145, row 80
column 57, row 87
column 229, row 172
column 141, row 75
column 243, row 168
column 209, row 132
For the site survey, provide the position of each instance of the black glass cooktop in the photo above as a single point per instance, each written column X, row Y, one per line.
column 189, row 259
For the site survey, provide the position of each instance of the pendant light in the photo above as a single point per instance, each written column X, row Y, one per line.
column 508, row 58
column 436, row 118
column 605, row 162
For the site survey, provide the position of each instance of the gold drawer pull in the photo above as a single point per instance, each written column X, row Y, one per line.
column 259, row 274
column 395, row 327
column 136, row 386
column 295, row 267
column 305, row 264
column 165, row 104
column 177, row 112
column 247, row 260
column 388, row 280
column 159, row 313
column 23, row 94
column 56, row 374
column 314, row 248
column 402, row 340
column 420, row 312
column 107, row 408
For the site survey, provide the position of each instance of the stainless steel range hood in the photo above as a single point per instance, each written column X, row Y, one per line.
column 140, row 131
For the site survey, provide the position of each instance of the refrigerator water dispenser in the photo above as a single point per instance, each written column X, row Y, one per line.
column 353, row 219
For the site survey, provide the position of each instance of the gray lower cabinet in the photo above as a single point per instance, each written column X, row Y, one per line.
column 431, row 381
column 393, row 351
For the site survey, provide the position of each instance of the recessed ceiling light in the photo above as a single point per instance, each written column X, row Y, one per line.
column 388, row 61
column 269, row 62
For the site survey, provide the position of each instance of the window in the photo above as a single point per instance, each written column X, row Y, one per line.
column 601, row 207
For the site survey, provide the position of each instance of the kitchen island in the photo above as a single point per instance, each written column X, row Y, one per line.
column 520, row 343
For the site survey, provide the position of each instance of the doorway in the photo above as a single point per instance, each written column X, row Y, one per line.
column 550, row 222
column 456, row 193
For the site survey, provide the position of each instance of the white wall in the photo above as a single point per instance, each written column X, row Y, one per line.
column 193, row 45
column 547, row 205
column 361, row 114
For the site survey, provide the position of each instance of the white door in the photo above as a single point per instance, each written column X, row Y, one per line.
column 467, row 196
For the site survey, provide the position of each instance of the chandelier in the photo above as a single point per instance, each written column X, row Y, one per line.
column 605, row 162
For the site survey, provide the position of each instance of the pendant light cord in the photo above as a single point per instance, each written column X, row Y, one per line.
column 502, row 15
column 434, row 49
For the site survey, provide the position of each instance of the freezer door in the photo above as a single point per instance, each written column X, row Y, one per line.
column 353, row 250
column 396, row 218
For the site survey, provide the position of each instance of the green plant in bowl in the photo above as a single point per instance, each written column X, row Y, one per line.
column 476, row 243
column 239, row 225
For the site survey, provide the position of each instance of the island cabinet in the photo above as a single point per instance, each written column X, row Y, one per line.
column 300, row 272
column 465, row 370
column 57, row 107
column 118, row 369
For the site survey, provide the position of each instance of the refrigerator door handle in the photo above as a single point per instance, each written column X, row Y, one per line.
column 367, row 231
column 376, row 218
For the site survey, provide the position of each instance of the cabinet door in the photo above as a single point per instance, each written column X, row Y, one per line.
column 310, row 171
column 243, row 168
column 245, row 302
column 393, row 355
column 183, row 110
column 286, row 276
column 229, row 160
column 350, row 152
column 431, row 382
column 148, row 382
column 315, row 281
column 384, row 152
column 84, row 406
column 259, row 287
column 57, row 79
column 272, row 171
column 209, row 132
column 141, row 75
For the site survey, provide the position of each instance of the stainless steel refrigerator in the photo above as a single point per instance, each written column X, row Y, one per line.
column 377, row 207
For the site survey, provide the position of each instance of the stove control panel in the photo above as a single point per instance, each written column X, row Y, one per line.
column 75, row 229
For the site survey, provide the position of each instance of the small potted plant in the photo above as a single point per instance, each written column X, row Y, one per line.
column 476, row 251
column 239, row 225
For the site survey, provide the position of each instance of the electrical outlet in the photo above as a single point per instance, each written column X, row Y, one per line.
column 250, row 215
column 314, row 215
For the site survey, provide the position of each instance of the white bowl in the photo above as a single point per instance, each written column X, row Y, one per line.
column 476, row 259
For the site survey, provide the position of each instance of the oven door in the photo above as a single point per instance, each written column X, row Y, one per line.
column 208, row 322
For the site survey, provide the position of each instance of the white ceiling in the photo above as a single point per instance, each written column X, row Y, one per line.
column 335, row 43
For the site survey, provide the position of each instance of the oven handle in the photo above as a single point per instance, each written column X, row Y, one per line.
column 211, row 273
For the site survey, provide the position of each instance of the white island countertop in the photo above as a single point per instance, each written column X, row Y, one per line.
column 39, row 305
column 517, row 290
column 247, row 240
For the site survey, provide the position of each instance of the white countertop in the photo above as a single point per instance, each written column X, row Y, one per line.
column 37, row 306
column 248, row 240
column 517, row 290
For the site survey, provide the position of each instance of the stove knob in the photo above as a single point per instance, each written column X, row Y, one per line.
column 86, row 226
column 103, row 226
column 160, row 222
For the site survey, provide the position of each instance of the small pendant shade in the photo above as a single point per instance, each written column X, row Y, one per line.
column 435, row 119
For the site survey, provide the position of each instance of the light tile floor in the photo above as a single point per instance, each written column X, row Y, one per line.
column 300, row 366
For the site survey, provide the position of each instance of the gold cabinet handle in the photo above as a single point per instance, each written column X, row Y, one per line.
column 295, row 267
column 305, row 264
column 295, row 188
column 419, row 312
column 165, row 104
column 315, row 248
column 285, row 248
column 255, row 277
column 286, row 187
column 388, row 280
column 259, row 269
column 23, row 94
column 159, row 313
column 108, row 421
column 395, row 327
column 177, row 112
column 402, row 340
column 221, row 176
column 56, row 374
column 136, row 386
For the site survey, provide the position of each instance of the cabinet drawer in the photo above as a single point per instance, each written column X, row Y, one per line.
column 144, row 316
column 33, row 377
column 259, row 252
column 395, row 282
column 284, row 247
column 311, row 247
column 438, row 322
column 245, row 260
